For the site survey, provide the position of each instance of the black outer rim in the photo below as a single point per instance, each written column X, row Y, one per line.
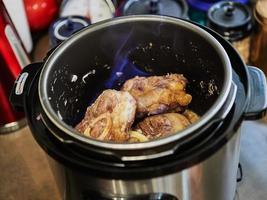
column 207, row 117
column 41, row 134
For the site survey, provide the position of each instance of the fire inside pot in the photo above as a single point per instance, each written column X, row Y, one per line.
column 145, row 108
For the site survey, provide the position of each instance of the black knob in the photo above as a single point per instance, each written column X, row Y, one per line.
column 69, row 24
column 154, row 6
column 229, row 10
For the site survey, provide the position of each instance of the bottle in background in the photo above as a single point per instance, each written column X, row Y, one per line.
column 12, row 58
column 258, row 55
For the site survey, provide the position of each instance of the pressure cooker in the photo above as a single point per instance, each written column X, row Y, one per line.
column 198, row 163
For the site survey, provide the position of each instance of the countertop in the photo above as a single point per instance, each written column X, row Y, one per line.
column 24, row 169
column 25, row 172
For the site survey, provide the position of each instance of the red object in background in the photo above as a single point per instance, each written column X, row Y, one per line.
column 40, row 13
column 9, row 68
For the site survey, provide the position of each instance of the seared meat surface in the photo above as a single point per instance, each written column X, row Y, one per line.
column 191, row 116
column 137, row 136
column 159, row 101
column 158, row 94
column 109, row 117
column 164, row 124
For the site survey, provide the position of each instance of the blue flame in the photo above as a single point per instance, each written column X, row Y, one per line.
column 123, row 69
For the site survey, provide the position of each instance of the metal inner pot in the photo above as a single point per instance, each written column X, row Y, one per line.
column 108, row 53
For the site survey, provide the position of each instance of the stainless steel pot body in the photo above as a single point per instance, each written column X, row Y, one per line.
column 214, row 178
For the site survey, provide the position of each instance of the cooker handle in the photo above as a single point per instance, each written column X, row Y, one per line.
column 22, row 84
column 257, row 103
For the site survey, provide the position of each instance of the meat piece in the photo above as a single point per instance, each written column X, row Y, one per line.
column 137, row 136
column 164, row 124
column 158, row 94
column 191, row 116
column 109, row 117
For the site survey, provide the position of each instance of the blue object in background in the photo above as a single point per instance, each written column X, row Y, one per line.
column 64, row 27
column 198, row 9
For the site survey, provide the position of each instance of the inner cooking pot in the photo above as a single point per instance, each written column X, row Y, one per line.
column 106, row 54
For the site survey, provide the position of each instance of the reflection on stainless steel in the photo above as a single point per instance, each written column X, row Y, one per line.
column 214, row 178
column 59, row 175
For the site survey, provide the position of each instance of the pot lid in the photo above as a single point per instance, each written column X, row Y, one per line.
column 175, row 8
column 64, row 27
column 231, row 19
column 204, row 5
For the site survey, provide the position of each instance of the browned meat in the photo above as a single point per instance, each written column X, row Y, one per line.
column 158, row 94
column 163, row 124
column 109, row 117
column 191, row 116
column 137, row 136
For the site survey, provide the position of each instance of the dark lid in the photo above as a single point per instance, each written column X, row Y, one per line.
column 204, row 5
column 174, row 8
column 64, row 27
column 231, row 19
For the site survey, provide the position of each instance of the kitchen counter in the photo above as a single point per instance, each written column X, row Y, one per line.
column 25, row 173
column 24, row 169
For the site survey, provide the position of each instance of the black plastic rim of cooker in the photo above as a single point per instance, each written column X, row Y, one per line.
column 158, row 167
